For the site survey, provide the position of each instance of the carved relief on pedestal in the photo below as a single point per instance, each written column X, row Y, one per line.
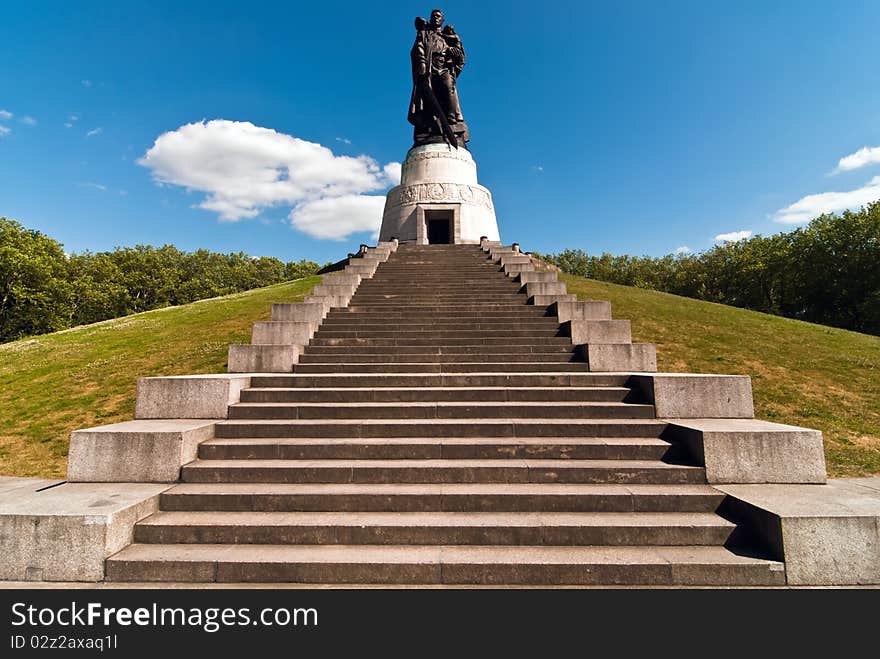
column 439, row 192
column 435, row 191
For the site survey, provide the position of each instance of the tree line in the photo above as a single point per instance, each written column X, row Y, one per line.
column 827, row 272
column 43, row 289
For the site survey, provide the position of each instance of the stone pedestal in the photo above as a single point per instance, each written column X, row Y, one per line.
column 439, row 197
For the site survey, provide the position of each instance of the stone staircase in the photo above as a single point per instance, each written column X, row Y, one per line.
column 441, row 430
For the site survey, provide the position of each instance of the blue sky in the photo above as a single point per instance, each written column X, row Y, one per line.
column 629, row 127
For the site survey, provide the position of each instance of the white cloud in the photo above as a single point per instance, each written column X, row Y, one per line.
column 96, row 186
column 806, row 208
column 733, row 236
column 242, row 169
column 868, row 155
column 4, row 131
column 5, row 115
column 684, row 249
column 68, row 125
column 393, row 171
column 86, row 83
column 335, row 218
column 344, row 140
column 28, row 120
column 95, row 131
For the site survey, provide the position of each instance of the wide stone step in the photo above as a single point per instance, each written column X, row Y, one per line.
column 537, row 326
column 474, row 321
column 442, row 410
column 439, row 298
column 396, row 306
column 518, row 314
column 333, row 333
column 540, row 325
column 440, row 272
column 447, row 564
column 440, row 428
column 504, row 380
column 446, row 367
column 462, row 288
column 473, row 497
column 353, row 351
column 441, row 264
column 401, row 394
column 434, row 528
column 366, row 355
column 447, row 275
column 514, row 342
column 436, row 299
column 441, row 323
column 465, row 286
column 640, row 472
column 403, row 322
column 430, row 448
column 451, row 310
column 511, row 313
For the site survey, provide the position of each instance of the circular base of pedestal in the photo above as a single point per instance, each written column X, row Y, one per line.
column 439, row 183
column 435, row 163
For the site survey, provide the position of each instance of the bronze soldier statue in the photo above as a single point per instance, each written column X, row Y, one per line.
column 437, row 60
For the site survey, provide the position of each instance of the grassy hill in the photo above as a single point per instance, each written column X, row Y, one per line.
column 85, row 376
column 802, row 374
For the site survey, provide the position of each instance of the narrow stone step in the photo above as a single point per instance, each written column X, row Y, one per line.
column 441, row 471
column 474, row 497
column 401, row 394
column 429, row 448
column 449, row 564
column 441, row 428
column 537, row 410
column 434, row 528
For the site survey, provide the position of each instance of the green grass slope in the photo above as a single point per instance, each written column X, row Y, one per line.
column 802, row 374
column 85, row 376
